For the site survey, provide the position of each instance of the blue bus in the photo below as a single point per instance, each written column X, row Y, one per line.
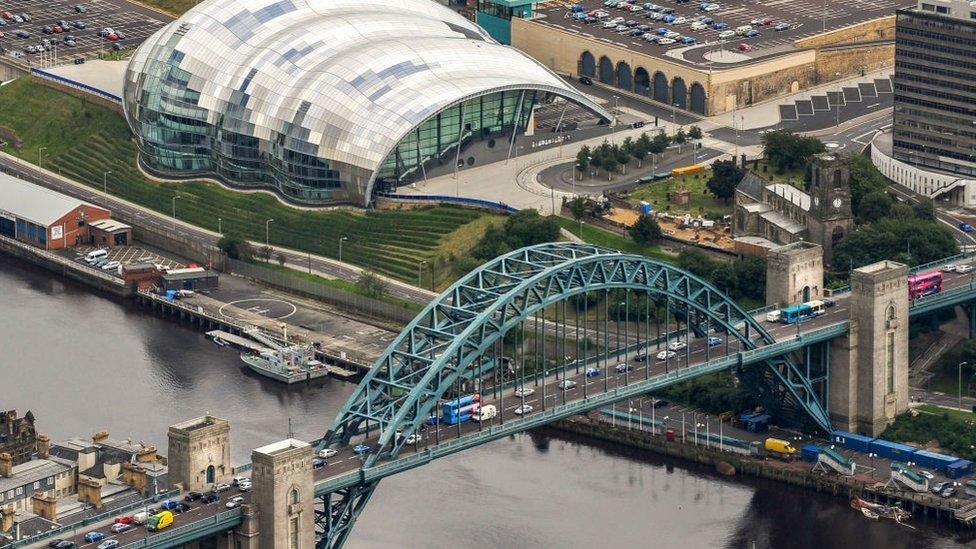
column 796, row 313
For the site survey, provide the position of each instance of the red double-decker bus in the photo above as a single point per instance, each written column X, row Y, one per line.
column 923, row 284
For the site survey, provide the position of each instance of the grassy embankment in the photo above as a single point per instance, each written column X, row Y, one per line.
column 950, row 431
column 83, row 141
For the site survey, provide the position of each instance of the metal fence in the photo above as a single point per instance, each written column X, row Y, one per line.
column 343, row 298
column 444, row 199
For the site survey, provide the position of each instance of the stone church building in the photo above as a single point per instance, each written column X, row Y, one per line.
column 768, row 215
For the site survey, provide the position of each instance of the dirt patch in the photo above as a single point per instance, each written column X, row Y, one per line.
column 9, row 136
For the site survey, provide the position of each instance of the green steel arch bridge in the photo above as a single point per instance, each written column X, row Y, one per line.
column 527, row 309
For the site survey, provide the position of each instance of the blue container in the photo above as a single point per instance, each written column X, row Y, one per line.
column 809, row 452
column 757, row 423
column 893, row 450
column 851, row 441
column 745, row 416
column 959, row 468
column 645, row 207
column 931, row 460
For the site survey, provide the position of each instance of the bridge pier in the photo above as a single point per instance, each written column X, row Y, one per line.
column 868, row 383
column 284, row 494
column 199, row 453
column 794, row 274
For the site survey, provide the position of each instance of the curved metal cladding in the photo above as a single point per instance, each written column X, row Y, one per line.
column 311, row 97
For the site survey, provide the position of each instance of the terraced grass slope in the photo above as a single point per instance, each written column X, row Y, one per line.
column 83, row 141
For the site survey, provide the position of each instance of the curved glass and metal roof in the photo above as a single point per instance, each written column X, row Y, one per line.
column 355, row 75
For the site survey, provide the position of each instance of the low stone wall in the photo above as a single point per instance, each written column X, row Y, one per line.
column 80, row 94
column 882, row 28
column 74, row 270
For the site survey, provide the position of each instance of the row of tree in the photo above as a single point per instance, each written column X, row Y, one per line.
column 613, row 157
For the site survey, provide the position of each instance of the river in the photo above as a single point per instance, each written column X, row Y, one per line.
column 85, row 363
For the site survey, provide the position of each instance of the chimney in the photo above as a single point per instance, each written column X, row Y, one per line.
column 6, row 465
column 90, row 491
column 6, row 518
column 43, row 446
column 45, row 506
column 86, row 459
column 99, row 437
column 146, row 454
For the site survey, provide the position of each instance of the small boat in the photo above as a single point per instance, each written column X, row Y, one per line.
column 725, row 468
column 288, row 364
column 878, row 510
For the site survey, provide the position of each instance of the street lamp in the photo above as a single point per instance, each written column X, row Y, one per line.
column 613, row 123
column 174, row 210
column 840, row 92
column 420, row 273
column 267, row 233
column 39, row 150
column 341, row 240
column 105, row 181
column 961, row 364
column 219, row 226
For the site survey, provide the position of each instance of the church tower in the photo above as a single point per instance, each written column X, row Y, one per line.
column 830, row 217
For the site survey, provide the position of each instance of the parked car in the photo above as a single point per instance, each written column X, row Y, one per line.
column 926, row 474
column 688, row 40
column 665, row 41
column 244, row 486
column 828, row 302
column 948, row 492
column 566, row 384
column 111, row 265
column 79, row 25
column 725, row 35
column 752, row 34
column 92, row 537
column 80, row 9
column 8, row 16
column 523, row 409
column 745, row 47
column 361, row 449
column 524, row 391
column 234, row 502
column 938, row 486
column 221, row 487
column 720, row 25
column 781, row 27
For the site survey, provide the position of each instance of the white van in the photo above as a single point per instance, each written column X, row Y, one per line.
column 485, row 413
column 774, row 316
column 96, row 255
column 140, row 517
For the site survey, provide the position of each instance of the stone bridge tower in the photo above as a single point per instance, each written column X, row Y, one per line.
column 869, row 367
column 794, row 274
column 284, row 494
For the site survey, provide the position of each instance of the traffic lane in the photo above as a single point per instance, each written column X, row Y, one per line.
column 138, row 532
column 952, row 222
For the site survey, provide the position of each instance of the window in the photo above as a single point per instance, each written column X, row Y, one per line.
column 293, row 496
column 37, row 485
column 293, row 533
column 890, row 361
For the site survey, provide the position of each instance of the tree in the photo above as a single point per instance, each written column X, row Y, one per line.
column 371, row 284
column 583, row 160
column 264, row 252
column 873, row 207
column 610, row 164
column 785, row 150
column 622, row 157
column 695, row 133
column 865, row 179
column 680, row 137
column 578, row 207
column 236, row 247
column 645, row 230
column 726, row 175
column 523, row 228
column 281, row 259
column 925, row 209
column 639, row 152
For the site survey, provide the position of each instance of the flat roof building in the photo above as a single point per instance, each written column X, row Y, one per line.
column 42, row 217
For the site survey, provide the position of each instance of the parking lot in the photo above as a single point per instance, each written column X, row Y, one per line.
column 135, row 21
column 796, row 19
column 127, row 255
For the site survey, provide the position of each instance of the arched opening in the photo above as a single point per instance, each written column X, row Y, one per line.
column 642, row 81
column 587, row 64
column 625, row 78
column 606, row 70
column 661, row 88
column 794, row 87
column 836, row 235
column 211, row 474
column 293, row 496
column 679, row 93
column 806, row 294
column 698, row 98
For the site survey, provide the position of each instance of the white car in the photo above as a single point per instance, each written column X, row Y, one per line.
column 698, row 25
column 234, row 502
column 326, row 453
column 524, row 391
column 964, row 269
column 666, row 355
column 650, row 37
column 725, row 35
column 677, row 345
column 712, row 7
column 656, row 16
column 244, row 486
column 679, row 21
column 636, row 8
column 523, row 409
column 665, row 41
column 617, row 20
column 949, row 268
column 220, row 487
column 413, row 439
column 567, row 384
column 609, row 24
column 926, row 474
column 672, row 34
column 111, row 265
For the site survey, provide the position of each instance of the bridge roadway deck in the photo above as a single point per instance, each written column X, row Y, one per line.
column 550, row 404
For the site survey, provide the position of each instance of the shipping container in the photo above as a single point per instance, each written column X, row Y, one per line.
column 932, row 460
column 809, row 452
column 454, row 420
column 959, row 468
column 463, row 401
column 892, row 450
column 757, row 424
column 851, row 441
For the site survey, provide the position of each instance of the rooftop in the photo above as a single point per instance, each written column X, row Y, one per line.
column 783, row 222
column 34, row 203
column 281, row 446
column 109, row 225
column 791, row 193
column 31, row 471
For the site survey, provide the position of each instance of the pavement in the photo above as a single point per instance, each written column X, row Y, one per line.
column 107, row 76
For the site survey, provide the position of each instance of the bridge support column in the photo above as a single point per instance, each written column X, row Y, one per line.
column 869, row 368
column 794, row 274
column 199, row 453
column 284, row 494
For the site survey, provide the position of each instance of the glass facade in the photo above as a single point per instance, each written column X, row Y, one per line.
column 935, row 91
column 239, row 90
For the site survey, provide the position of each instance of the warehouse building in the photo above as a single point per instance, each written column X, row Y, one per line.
column 44, row 218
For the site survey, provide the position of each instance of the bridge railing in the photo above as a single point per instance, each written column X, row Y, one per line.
column 928, row 301
column 939, row 262
column 72, row 529
column 40, row 73
column 178, row 535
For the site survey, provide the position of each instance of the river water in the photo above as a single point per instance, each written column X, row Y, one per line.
column 85, row 363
